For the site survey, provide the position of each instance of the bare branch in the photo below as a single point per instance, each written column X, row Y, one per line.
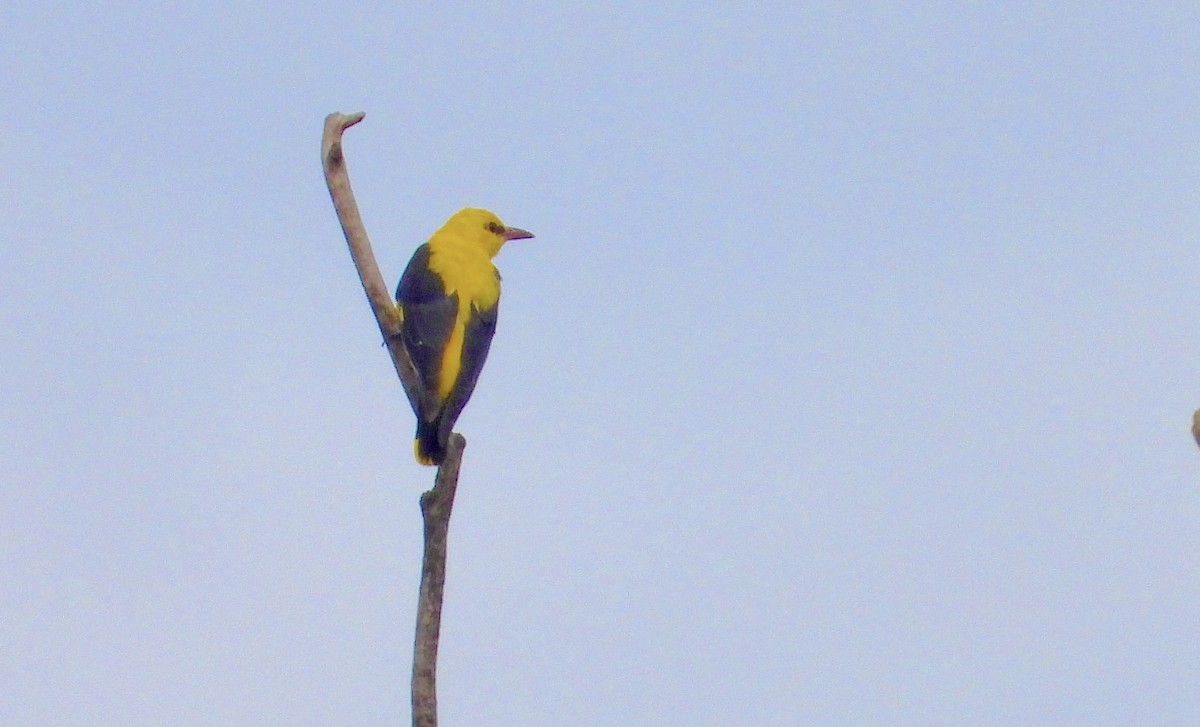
column 435, row 507
column 386, row 313
column 437, row 503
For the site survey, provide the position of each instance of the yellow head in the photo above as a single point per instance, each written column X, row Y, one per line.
column 482, row 228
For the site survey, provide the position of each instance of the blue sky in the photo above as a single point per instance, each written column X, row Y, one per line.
column 848, row 380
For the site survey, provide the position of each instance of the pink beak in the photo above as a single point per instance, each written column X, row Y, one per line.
column 516, row 233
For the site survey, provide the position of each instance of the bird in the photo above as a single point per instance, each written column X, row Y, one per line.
column 448, row 300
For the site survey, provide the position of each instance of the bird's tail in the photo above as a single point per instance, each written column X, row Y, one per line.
column 428, row 448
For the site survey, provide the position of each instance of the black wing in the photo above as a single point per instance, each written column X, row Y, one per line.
column 477, row 339
column 428, row 320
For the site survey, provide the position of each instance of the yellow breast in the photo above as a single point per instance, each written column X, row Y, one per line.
column 468, row 272
column 465, row 270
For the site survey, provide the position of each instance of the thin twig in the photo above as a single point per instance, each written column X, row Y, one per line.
column 435, row 507
column 437, row 503
column 338, row 180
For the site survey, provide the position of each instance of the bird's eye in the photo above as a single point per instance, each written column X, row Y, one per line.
column 495, row 228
